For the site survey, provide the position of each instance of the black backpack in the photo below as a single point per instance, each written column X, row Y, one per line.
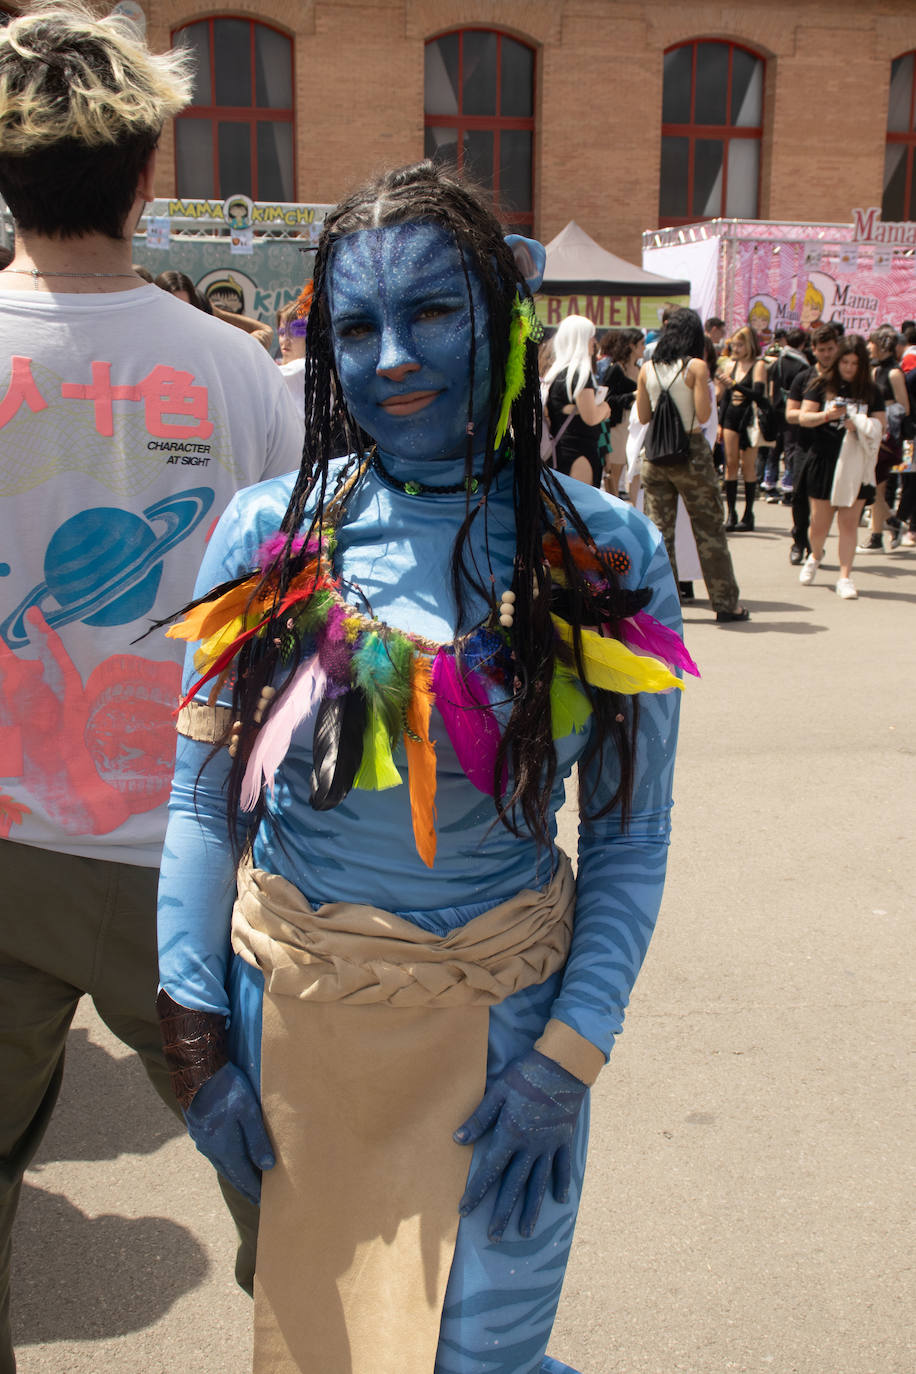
column 667, row 441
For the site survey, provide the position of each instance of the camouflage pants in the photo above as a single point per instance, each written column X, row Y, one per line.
column 697, row 485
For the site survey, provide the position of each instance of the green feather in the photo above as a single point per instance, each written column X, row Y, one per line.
column 521, row 329
column 569, row 706
column 377, row 770
column 381, row 667
column 315, row 611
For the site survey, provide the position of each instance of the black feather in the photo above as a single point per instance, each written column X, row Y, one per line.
column 337, row 749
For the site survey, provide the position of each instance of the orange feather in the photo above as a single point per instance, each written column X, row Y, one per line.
column 203, row 621
column 421, row 761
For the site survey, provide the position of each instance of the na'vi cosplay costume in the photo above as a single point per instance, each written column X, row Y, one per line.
column 388, row 954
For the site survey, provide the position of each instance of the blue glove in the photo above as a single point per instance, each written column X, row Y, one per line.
column 225, row 1122
column 532, row 1107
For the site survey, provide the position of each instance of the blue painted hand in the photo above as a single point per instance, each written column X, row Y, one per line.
column 532, row 1109
column 225, row 1122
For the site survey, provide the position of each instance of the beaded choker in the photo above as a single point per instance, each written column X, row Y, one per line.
column 372, row 687
column 414, row 488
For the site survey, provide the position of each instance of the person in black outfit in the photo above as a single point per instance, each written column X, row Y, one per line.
column 824, row 344
column 738, row 386
column 571, row 401
column 622, row 352
column 890, row 381
column 826, row 411
column 790, row 362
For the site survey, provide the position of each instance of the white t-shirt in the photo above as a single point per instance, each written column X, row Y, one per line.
column 127, row 422
column 293, row 375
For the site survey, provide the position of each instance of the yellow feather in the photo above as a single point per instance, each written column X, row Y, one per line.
column 612, row 667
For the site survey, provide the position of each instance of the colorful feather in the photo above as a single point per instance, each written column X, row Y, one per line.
column 381, row 667
column 272, row 744
column 647, row 635
column 376, row 771
column 337, row 748
column 569, row 706
column 486, row 652
column 421, row 761
column 612, row 667
column 272, row 548
column 471, row 725
column 210, row 650
column 335, row 651
column 206, row 618
column 585, row 558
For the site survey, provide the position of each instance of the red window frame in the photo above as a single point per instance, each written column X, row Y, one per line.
column 725, row 132
column 240, row 114
column 906, row 137
column 496, row 123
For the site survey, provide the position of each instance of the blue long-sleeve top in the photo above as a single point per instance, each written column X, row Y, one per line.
column 393, row 552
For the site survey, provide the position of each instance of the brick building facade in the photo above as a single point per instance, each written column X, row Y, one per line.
column 599, row 68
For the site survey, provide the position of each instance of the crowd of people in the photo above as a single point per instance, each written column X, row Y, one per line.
column 788, row 421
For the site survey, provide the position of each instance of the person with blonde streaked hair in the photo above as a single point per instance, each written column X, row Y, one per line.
column 575, row 413
column 738, row 386
column 127, row 423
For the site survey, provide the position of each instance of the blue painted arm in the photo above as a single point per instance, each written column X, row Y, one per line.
column 622, row 873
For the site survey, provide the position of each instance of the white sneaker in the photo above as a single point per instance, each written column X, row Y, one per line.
column 846, row 589
column 808, row 569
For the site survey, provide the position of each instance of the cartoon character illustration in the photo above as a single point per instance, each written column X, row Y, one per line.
column 760, row 319
column 227, row 294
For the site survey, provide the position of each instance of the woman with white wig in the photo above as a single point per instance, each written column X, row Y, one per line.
column 574, row 411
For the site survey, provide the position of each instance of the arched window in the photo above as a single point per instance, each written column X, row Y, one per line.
column 899, row 200
column 237, row 134
column 712, row 125
column 479, row 114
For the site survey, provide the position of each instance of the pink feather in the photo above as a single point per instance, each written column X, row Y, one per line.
column 470, row 724
column 272, row 548
column 334, row 652
column 644, row 634
column 271, row 747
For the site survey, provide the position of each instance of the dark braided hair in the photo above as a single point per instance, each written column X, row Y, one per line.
column 427, row 193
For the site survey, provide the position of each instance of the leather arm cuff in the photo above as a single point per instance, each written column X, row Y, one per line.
column 194, row 1044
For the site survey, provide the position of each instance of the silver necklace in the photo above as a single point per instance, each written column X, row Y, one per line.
column 34, row 273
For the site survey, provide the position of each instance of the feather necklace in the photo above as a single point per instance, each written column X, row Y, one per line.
column 372, row 687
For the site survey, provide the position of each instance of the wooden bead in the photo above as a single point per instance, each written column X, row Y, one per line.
column 506, row 620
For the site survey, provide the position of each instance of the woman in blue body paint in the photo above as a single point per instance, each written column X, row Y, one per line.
column 417, row 994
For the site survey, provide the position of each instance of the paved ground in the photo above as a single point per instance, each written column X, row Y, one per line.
column 749, row 1204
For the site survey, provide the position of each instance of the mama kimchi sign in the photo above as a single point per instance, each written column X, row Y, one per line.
column 606, row 311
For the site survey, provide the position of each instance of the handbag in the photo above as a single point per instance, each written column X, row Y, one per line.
column 766, row 419
column 549, row 441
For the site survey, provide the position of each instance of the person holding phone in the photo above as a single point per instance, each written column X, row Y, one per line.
column 830, row 410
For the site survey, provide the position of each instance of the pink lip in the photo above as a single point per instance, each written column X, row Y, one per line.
column 408, row 403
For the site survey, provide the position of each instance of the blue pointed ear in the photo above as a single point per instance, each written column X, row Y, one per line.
column 530, row 257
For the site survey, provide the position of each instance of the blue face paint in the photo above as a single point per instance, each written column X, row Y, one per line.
column 401, row 325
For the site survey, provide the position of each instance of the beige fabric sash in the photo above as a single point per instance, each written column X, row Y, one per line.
column 374, row 1049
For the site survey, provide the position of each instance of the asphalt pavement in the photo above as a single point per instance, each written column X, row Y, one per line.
column 749, row 1200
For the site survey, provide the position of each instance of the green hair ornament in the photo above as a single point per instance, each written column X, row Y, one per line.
column 524, row 325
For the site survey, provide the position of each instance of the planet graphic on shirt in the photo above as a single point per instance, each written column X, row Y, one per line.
column 103, row 566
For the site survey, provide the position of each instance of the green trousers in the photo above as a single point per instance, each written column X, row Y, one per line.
column 71, row 926
column 695, row 482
